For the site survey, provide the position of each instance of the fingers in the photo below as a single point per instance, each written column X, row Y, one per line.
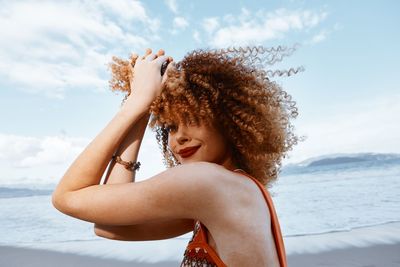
column 133, row 59
column 160, row 52
column 160, row 59
column 148, row 56
column 171, row 65
column 148, row 51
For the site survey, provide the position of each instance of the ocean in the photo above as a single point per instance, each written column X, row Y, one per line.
column 316, row 198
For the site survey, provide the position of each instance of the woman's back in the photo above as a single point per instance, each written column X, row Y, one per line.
column 242, row 235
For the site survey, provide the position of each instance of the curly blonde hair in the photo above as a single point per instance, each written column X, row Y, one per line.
column 230, row 89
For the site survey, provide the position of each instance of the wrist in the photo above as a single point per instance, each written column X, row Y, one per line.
column 129, row 165
column 136, row 105
column 138, row 98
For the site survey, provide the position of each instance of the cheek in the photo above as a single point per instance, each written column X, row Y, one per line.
column 215, row 144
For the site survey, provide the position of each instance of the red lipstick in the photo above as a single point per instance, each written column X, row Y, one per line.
column 187, row 152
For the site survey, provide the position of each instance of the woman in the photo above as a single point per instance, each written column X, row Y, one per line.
column 223, row 128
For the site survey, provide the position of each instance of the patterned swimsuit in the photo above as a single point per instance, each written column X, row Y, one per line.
column 199, row 253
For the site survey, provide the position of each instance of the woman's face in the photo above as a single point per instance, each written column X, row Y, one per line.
column 209, row 145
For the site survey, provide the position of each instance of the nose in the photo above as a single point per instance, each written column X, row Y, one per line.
column 182, row 140
column 181, row 136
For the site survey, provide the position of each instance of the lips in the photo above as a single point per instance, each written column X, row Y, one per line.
column 187, row 152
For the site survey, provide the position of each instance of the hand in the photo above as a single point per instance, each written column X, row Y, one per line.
column 147, row 81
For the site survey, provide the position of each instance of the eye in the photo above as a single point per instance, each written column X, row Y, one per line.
column 193, row 123
column 171, row 128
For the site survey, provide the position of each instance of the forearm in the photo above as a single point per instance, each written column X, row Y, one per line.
column 128, row 150
column 89, row 166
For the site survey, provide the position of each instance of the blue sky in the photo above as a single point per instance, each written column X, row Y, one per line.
column 54, row 95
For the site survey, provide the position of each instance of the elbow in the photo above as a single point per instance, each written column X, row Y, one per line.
column 56, row 200
column 60, row 202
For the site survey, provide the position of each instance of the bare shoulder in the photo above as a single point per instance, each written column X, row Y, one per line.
column 211, row 188
column 204, row 182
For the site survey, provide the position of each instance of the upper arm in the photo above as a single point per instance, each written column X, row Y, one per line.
column 157, row 230
column 185, row 191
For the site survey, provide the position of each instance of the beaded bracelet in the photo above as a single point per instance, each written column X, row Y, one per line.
column 129, row 165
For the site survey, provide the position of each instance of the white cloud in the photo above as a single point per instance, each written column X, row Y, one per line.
column 43, row 160
column 366, row 126
column 210, row 24
column 128, row 10
column 28, row 152
column 321, row 36
column 179, row 24
column 256, row 28
column 196, row 36
column 172, row 5
column 49, row 46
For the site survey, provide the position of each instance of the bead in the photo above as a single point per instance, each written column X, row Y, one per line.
column 198, row 256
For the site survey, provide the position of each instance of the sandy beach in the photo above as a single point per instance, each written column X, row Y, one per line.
column 374, row 256
column 386, row 255
column 26, row 257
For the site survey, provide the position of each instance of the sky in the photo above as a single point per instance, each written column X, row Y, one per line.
column 54, row 55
